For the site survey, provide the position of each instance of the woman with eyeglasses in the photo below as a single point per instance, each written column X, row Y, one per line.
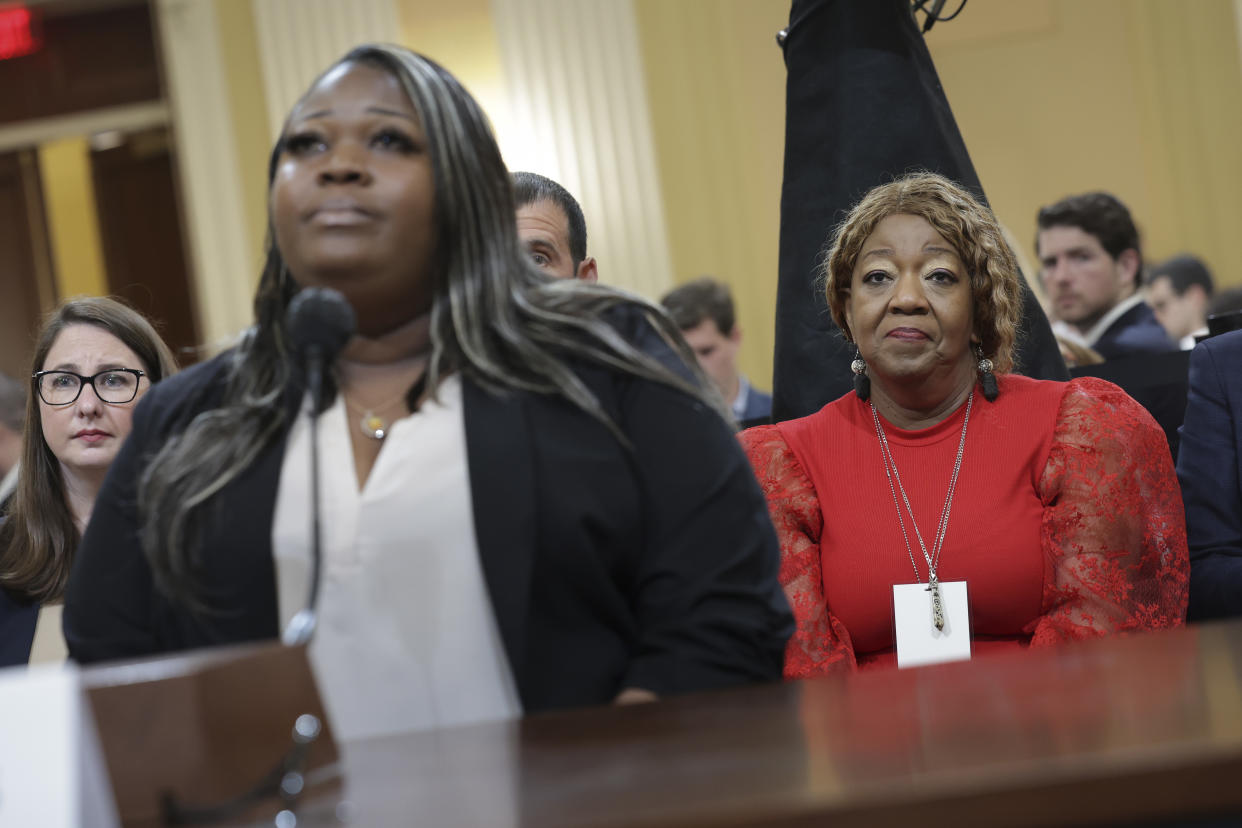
column 93, row 360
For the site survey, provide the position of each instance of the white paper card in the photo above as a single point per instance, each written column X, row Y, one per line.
column 52, row 770
column 918, row 640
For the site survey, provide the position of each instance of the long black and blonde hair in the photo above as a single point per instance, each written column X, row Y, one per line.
column 495, row 318
column 39, row 536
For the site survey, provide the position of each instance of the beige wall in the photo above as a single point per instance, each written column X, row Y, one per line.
column 248, row 107
column 716, row 82
column 460, row 36
column 1139, row 97
column 1142, row 97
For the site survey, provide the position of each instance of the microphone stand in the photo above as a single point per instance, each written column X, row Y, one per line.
column 288, row 778
column 301, row 627
column 321, row 322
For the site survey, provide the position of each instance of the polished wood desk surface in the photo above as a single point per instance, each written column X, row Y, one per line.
column 1122, row 729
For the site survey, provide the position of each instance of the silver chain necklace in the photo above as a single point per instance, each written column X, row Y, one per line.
column 933, row 559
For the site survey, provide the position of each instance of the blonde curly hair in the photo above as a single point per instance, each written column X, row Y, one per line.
column 964, row 223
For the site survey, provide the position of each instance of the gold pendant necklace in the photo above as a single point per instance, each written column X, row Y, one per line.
column 373, row 425
column 377, row 427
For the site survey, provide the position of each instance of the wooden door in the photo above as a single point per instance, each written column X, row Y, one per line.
column 139, row 224
column 26, row 287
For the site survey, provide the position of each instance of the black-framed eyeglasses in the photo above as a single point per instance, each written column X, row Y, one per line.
column 116, row 385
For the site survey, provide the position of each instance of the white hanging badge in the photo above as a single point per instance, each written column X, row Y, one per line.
column 919, row 642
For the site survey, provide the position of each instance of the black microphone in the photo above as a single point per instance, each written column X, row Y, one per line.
column 320, row 323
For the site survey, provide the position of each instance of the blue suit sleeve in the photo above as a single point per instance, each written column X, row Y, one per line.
column 1207, row 467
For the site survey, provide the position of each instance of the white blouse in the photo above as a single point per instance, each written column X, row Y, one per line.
column 406, row 637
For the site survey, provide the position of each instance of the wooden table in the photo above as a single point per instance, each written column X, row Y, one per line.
column 1130, row 728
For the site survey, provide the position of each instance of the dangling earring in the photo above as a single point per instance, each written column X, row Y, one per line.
column 986, row 378
column 862, row 382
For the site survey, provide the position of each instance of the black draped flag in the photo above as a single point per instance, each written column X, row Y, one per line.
column 863, row 106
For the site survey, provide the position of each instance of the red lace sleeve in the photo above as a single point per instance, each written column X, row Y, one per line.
column 1114, row 533
column 820, row 643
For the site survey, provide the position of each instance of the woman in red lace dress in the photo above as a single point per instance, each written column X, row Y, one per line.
column 1056, row 503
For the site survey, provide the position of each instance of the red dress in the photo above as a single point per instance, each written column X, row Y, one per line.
column 1067, row 522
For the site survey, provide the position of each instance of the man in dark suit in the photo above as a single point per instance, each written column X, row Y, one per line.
column 551, row 226
column 1179, row 292
column 1090, row 264
column 1209, row 467
column 703, row 309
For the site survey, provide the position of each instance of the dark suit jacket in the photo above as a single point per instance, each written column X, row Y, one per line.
column 607, row 568
column 1134, row 332
column 17, row 627
column 1209, row 466
column 758, row 406
column 1155, row 381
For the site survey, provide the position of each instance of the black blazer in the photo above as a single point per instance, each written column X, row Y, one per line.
column 1134, row 332
column 17, row 627
column 607, row 568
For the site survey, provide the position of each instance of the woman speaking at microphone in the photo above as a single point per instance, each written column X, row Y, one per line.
column 529, row 501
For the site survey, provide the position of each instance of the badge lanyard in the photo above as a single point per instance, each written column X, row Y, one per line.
column 894, row 486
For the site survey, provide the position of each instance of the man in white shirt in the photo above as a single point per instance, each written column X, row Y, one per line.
column 1090, row 260
column 1179, row 292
